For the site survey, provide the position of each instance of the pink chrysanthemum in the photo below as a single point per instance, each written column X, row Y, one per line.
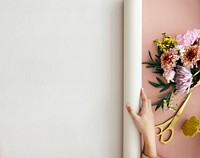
column 191, row 56
column 183, row 79
column 168, row 60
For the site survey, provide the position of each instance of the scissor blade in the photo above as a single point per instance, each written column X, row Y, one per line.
column 183, row 105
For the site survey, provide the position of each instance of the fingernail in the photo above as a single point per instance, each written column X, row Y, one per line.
column 127, row 105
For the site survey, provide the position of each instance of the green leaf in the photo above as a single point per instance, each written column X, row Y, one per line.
column 150, row 56
column 158, row 72
column 165, row 99
column 172, row 84
column 162, row 106
column 154, row 84
column 156, row 68
column 164, row 88
column 158, row 62
column 150, row 66
column 159, row 52
column 157, row 56
column 159, row 102
column 150, row 63
column 158, row 106
column 160, row 81
column 169, row 95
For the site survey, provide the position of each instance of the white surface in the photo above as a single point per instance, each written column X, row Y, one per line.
column 61, row 78
column 132, row 74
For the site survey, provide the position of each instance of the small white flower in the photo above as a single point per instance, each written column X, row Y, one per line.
column 172, row 108
column 180, row 48
column 169, row 75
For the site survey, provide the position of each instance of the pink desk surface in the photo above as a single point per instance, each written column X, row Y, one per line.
column 173, row 17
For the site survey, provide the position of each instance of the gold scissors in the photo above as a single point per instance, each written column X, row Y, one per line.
column 169, row 125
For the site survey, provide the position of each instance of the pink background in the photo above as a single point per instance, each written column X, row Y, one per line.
column 173, row 17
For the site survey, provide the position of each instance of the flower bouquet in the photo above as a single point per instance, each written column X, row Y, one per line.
column 178, row 62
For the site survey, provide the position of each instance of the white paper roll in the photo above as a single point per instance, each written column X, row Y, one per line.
column 132, row 74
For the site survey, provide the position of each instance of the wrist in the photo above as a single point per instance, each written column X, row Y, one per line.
column 150, row 145
column 149, row 135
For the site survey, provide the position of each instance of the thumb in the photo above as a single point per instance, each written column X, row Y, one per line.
column 131, row 111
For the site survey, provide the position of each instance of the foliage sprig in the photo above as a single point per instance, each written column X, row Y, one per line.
column 156, row 65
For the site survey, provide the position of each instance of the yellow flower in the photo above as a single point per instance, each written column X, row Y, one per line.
column 191, row 127
column 167, row 43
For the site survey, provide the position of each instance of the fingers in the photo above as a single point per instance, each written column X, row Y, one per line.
column 145, row 106
column 149, row 103
column 131, row 111
column 143, row 94
column 145, row 100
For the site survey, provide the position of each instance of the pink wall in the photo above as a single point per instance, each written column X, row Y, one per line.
column 173, row 17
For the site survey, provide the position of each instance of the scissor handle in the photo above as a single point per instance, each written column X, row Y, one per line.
column 163, row 126
column 165, row 141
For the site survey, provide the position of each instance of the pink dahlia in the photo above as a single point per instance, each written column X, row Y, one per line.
column 168, row 60
column 191, row 56
column 183, row 79
column 188, row 38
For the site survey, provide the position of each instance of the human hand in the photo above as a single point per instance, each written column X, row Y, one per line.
column 144, row 121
